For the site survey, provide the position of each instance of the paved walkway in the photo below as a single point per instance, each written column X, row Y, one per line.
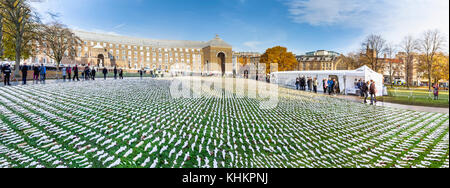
column 399, row 106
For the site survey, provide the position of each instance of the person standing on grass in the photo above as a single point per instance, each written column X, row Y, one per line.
column 63, row 72
column 297, row 83
column 436, row 91
column 115, row 72
column 373, row 93
column 24, row 73
column 359, row 86
column 315, row 84
column 75, row 73
column 43, row 71
column 141, row 73
column 69, row 73
column 6, row 69
column 35, row 73
column 365, row 91
column 105, row 72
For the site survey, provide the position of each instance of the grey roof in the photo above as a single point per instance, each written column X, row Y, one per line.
column 117, row 39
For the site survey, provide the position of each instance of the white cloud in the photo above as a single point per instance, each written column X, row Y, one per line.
column 392, row 19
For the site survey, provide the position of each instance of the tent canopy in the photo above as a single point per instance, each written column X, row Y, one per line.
column 347, row 79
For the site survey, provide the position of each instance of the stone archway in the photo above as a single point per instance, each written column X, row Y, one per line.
column 222, row 64
column 100, row 60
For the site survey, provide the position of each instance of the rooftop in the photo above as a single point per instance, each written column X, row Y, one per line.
column 117, row 39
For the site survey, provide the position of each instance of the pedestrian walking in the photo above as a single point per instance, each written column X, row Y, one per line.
column 105, row 72
column 24, row 70
column 373, row 93
column 365, row 91
column 121, row 74
column 297, row 83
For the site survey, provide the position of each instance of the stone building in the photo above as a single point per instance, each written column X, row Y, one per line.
column 320, row 60
column 105, row 50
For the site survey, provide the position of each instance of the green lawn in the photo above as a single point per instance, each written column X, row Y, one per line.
column 419, row 97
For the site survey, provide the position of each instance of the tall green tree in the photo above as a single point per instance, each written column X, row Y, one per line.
column 19, row 21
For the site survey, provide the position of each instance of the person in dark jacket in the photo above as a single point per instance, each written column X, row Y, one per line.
column 121, row 74
column 86, row 73
column 310, row 83
column 69, row 72
column 7, row 74
column 35, row 74
column 43, row 72
column 297, row 83
column 373, row 93
column 365, row 91
column 24, row 70
column 141, row 73
column 93, row 73
column 75, row 73
column 115, row 72
column 330, row 86
column 105, row 72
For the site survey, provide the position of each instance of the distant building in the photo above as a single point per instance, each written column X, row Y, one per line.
column 320, row 60
column 104, row 50
column 243, row 63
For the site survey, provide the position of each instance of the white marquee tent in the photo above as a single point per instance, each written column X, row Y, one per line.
column 346, row 78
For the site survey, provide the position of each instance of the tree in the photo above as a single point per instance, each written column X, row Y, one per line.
column 371, row 49
column 390, row 51
column 286, row 60
column 431, row 42
column 352, row 60
column 409, row 46
column 58, row 42
column 19, row 20
column 439, row 67
column 1, row 29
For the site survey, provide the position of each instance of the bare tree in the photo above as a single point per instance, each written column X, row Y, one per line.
column 58, row 42
column 409, row 46
column 431, row 42
column 390, row 51
column 352, row 60
column 372, row 47
column 19, row 19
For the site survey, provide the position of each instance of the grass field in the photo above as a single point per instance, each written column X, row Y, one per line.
column 419, row 97
column 138, row 124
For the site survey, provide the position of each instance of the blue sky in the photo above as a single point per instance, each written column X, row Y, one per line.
column 255, row 25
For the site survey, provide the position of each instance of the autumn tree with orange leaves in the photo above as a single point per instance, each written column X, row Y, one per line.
column 286, row 60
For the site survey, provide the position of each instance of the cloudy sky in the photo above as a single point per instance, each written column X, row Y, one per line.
column 254, row 25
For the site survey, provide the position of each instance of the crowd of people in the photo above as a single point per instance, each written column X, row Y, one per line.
column 302, row 82
column 367, row 89
column 67, row 72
